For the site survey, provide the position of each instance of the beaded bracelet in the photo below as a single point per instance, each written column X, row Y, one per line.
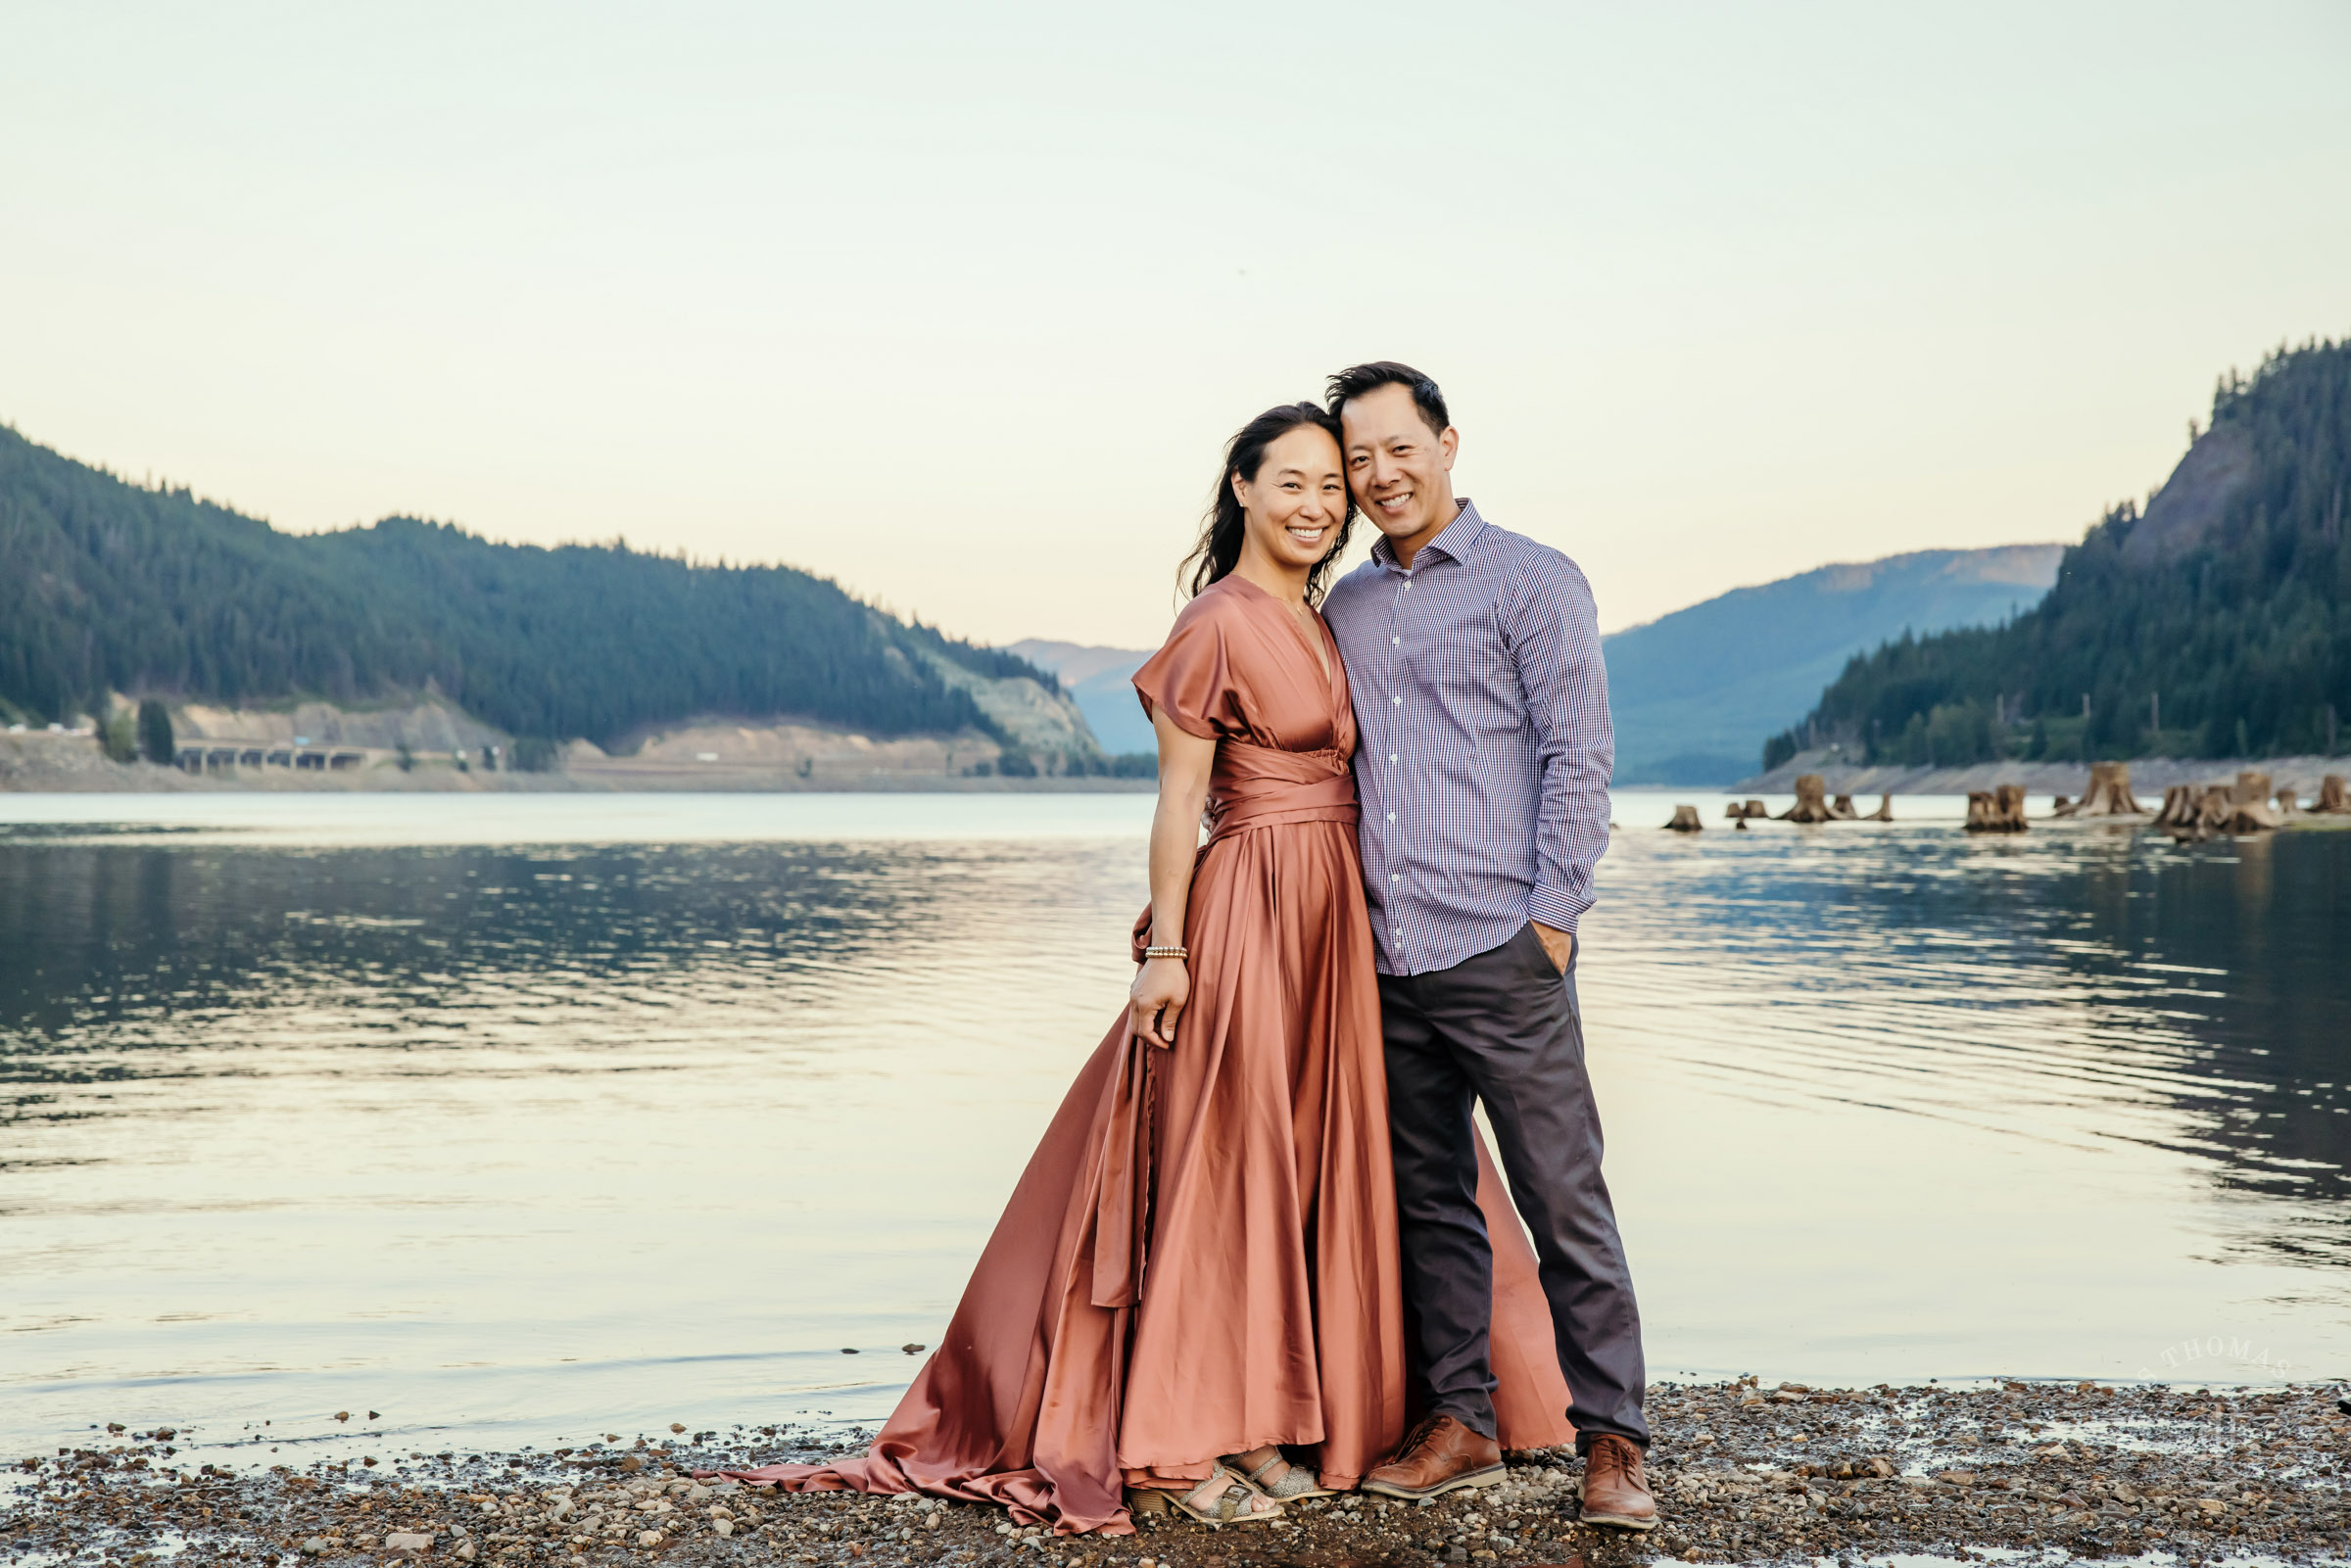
column 1167, row 952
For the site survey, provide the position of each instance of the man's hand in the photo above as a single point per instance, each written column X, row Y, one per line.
column 1557, row 947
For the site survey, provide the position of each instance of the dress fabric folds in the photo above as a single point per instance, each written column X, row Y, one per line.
column 1201, row 1255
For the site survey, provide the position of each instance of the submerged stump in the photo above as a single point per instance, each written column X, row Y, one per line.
column 1996, row 811
column 1811, row 801
column 1885, row 811
column 2109, row 794
column 1842, row 808
column 2333, row 799
column 1684, row 821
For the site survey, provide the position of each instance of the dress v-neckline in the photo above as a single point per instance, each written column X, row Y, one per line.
column 1326, row 658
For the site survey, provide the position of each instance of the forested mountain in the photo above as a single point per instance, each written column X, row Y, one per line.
column 1695, row 691
column 109, row 586
column 2215, row 623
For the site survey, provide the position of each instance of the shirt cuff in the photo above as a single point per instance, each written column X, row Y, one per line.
column 1555, row 908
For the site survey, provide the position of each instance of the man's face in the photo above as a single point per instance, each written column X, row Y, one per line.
column 1399, row 470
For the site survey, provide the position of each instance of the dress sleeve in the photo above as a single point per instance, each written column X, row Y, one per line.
column 1191, row 676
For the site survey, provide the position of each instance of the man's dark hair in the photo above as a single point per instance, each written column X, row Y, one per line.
column 1358, row 379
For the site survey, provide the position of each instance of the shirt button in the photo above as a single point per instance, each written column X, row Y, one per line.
column 1395, row 641
column 1396, row 702
column 1391, row 756
column 1399, row 931
column 1395, row 877
column 1391, row 816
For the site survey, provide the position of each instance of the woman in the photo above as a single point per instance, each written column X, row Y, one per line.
column 1199, row 1266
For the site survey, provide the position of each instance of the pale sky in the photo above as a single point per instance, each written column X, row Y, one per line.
column 956, row 303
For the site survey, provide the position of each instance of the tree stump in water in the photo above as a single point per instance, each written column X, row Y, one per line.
column 2179, row 807
column 1754, row 809
column 1842, row 808
column 2238, row 808
column 2332, row 799
column 1996, row 811
column 1684, row 821
column 1885, row 811
column 2109, row 794
column 1811, row 801
column 2289, row 802
column 2062, row 806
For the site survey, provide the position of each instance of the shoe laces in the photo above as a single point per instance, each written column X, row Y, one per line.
column 1418, row 1438
column 1611, row 1454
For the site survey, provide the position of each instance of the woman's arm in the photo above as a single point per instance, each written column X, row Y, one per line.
column 1163, row 985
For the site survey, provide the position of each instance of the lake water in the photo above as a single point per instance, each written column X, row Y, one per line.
column 527, row 1120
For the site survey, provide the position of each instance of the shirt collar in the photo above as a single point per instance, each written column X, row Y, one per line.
column 1455, row 541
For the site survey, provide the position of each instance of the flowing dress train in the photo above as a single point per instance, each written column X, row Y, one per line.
column 1201, row 1255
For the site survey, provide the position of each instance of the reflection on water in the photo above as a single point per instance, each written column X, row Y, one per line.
column 604, row 1115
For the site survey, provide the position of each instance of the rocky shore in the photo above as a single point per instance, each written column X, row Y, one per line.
column 1745, row 1473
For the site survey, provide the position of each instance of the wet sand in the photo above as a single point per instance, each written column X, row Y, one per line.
column 1743, row 1473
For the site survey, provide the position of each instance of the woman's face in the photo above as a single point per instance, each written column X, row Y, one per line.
column 1295, row 504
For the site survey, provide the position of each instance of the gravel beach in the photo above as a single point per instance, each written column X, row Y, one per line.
column 1744, row 1472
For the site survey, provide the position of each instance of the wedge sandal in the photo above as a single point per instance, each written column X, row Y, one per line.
column 1299, row 1483
column 1224, row 1498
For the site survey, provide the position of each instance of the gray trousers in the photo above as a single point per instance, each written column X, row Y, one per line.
column 1504, row 1027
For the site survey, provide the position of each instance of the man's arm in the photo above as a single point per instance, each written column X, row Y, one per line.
column 1552, row 626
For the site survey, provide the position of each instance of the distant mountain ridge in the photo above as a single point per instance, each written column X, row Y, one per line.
column 2217, row 623
column 1097, row 680
column 108, row 587
column 1694, row 692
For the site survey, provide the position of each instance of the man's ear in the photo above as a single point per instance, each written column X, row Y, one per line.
column 1448, row 444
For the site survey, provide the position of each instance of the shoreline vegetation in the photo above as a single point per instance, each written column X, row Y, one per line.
column 1744, row 1472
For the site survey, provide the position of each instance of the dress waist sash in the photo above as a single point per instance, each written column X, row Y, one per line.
column 1257, row 786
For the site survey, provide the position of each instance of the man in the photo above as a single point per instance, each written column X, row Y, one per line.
column 1483, row 764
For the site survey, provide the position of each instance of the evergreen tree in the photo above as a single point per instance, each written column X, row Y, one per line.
column 156, row 740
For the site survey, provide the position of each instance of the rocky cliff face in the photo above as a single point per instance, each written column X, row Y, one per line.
column 1043, row 721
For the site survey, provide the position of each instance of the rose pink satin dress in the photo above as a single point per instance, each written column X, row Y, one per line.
column 1201, row 1256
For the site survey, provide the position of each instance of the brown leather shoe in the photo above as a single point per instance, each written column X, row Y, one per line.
column 1439, row 1455
column 1616, row 1493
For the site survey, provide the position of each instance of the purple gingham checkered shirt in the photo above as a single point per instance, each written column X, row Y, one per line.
column 1485, row 749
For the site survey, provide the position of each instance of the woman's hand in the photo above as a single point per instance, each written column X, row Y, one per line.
column 1156, row 1000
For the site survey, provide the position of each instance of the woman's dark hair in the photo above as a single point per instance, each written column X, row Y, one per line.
column 1218, row 550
